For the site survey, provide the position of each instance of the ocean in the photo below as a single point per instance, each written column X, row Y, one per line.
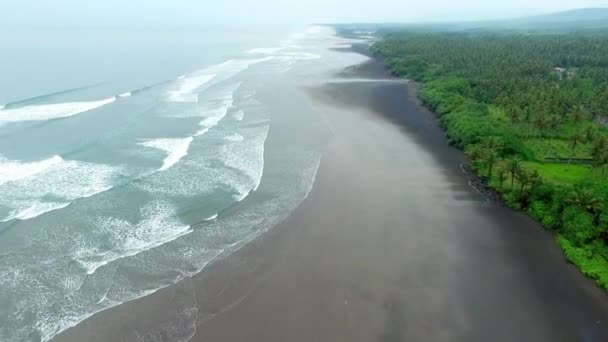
column 130, row 160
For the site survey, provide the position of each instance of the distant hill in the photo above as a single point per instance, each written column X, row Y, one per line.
column 585, row 19
column 578, row 15
column 572, row 20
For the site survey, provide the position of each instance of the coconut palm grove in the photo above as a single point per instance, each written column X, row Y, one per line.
column 530, row 110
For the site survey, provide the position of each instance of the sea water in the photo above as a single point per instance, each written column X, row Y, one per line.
column 130, row 160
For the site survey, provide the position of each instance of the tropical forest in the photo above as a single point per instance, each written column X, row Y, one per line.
column 530, row 110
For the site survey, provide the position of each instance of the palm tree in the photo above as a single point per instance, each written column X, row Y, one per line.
column 599, row 152
column 502, row 177
column 524, row 179
column 491, row 143
column 600, row 160
column 579, row 114
column 542, row 122
column 553, row 122
column 490, row 158
column 513, row 115
column 513, row 166
column 535, row 179
column 584, row 199
column 474, row 153
column 589, row 133
column 600, row 144
column 576, row 139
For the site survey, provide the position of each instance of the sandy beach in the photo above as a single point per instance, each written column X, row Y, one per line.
column 392, row 244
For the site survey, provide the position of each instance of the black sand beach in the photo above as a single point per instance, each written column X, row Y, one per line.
column 391, row 245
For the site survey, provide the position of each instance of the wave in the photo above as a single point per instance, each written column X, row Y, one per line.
column 49, row 111
column 122, row 238
column 142, row 89
column 11, row 171
column 53, row 184
column 212, row 218
column 264, row 51
column 187, row 86
column 242, row 158
column 21, row 103
column 234, row 66
column 34, row 209
column 215, row 110
column 239, row 115
column 176, row 149
column 235, row 137
column 247, row 158
column 287, row 52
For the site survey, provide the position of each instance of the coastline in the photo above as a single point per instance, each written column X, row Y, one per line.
column 391, row 244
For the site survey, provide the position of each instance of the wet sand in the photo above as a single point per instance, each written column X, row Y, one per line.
column 391, row 245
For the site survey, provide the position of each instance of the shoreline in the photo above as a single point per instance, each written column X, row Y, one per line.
column 476, row 181
column 589, row 264
column 364, row 258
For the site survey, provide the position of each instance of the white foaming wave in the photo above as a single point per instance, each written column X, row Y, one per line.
column 212, row 218
column 34, row 209
column 127, row 94
column 234, row 66
column 187, row 86
column 239, row 115
column 11, row 171
column 291, row 58
column 234, row 137
column 176, row 149
column 285, row 53
column 236, row 232
column 264, row 51
column 207, row 124
column 50, row 111
column 216, row 109
column 55, row 188
column 2, row 107
column 158, row 225
column 247, row 157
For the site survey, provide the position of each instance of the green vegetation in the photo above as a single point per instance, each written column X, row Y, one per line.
column 529, row 110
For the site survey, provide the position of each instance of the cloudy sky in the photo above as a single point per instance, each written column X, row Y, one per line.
column 197, row 12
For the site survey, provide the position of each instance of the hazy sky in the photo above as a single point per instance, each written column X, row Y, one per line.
column 194, row 12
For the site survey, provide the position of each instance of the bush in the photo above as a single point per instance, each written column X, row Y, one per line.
column 578, row 226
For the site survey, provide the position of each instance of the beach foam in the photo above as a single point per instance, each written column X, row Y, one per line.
column 49, row 111
column 11, row 171
column 212, row 218
column 33, row 209
column 216, row 109
column 247, row 157
column 127, row 94
column 264, row 51
column 176, row 149
column 187, row 86
column 235, row 137
column 121, row 238
column 239, row 115
column 54, row 186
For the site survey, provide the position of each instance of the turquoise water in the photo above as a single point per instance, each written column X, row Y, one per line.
column 130, row 160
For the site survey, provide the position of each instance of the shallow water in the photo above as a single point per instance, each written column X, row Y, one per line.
column 120, row 182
